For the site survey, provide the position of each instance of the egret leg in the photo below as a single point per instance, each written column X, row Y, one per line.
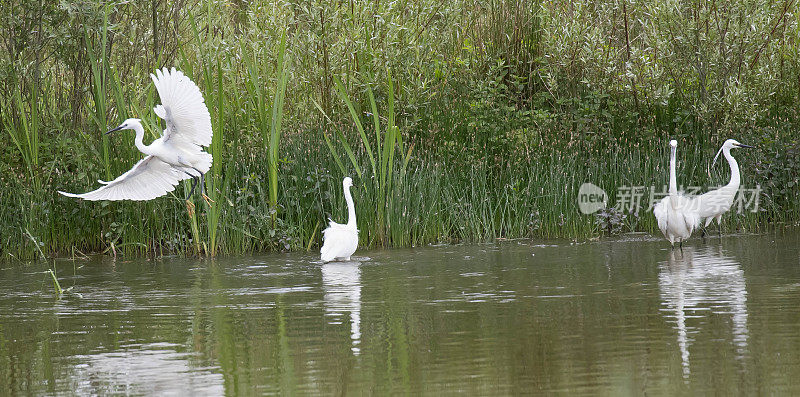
column 203, row 189
column 719, row 228
column 189, row 203
column 207, row 199
column 194, row 185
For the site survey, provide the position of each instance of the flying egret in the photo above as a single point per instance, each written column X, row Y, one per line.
column 340, row 241
column 176, row 156
column 676, row 217
column 711, row 205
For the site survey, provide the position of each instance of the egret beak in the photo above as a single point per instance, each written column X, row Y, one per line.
column 112, row 130
column 747, row 146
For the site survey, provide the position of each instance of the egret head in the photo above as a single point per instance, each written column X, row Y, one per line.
column 126, row 125
column 733, row 143
column 727, row 146
column 673, row 147
column 347, row 182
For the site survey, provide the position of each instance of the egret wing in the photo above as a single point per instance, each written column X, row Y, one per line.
column 335, row 239
column 691, row 217
column 660, row 212
column 691, row 220
column 715, row 202
column 148, row 179
column 183, row 108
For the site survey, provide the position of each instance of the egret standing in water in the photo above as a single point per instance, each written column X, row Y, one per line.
column 676, row 217
column 176, row 156
column 340, row 241
column 713, row 204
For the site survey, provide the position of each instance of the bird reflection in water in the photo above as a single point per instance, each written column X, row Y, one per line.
column 341, row 282
column 697, row 280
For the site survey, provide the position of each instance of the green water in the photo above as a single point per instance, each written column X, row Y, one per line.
column 620, row 317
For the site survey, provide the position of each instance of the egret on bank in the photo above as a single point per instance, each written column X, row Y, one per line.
column 676, row 217
column 711, row 205
column 340, row 241
column 176, row 156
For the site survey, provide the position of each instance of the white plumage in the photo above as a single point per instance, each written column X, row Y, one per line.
column 176, row 156
column 340, row 241
column 675, row 213
column 711, row 205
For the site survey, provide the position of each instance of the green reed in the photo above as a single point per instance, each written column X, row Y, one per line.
column 21, row 120
column 382, row 162
column 276, row 121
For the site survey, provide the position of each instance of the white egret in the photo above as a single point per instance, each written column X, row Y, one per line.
column 674, row 213
column 340, row 241
column 711, row 205
column 176, row 156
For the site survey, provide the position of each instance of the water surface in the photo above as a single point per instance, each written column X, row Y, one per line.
column 626, row 316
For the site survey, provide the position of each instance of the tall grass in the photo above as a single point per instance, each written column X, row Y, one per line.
column 382, row 161
column 23, row 129
column 276, row 121
column 102, row 78
column 215, row 184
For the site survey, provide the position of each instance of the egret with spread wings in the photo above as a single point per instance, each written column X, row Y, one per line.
column 176, row 156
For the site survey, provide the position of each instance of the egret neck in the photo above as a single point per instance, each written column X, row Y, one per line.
column 139, row 130
column 735, row 177
column 351, row 209
column 673, row 183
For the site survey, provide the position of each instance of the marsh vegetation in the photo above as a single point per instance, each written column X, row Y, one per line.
column 459, row 121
